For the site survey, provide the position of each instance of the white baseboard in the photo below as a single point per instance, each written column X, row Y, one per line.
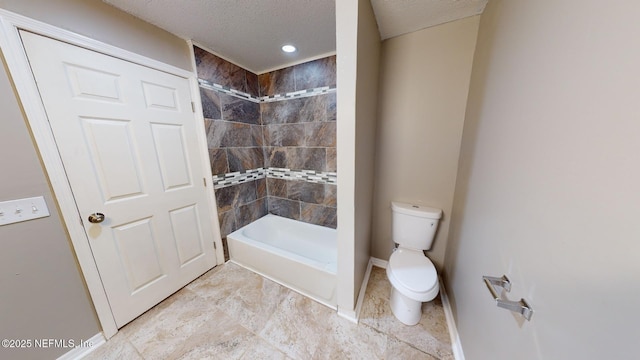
column 379, row 262
column 363, row 288
column 456, row 346
column 79, row 352
column 354, row 315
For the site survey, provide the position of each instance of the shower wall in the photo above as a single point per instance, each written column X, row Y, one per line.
column 234, row 137
column 271, row 140
column 300, row 134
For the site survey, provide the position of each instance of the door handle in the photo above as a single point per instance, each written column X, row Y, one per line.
column 96, row 218
column 521, row 307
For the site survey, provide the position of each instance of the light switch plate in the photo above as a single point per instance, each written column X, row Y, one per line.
column 14, row 211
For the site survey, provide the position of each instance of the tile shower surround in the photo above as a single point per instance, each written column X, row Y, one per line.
column 259, row 127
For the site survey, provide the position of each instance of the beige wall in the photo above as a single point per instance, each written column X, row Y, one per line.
column 42, row 291
column 368, row 68
column 358, row 47
column 548, row 189
column 99, row 21
column 423, row 94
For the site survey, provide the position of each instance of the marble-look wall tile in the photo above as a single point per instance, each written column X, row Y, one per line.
column 320, row 134
column 297, row 158
column 250, row 212
column 297, row 134
column 207, row 125
column 223, row 134
column 277, row 82
column 301, row 200
column 233, row 196
column 239, row 205
column 275, row 157
column 323, row 194
column 319, row 215
column 219, row 163
column 280, row 112
column 227, row 221
column 316, row 73
column 219, row 71
column 240, row 110
column 284, row 207
column 210, row 104
column 313, row 108
column 261, row 188
column 284, row 134
column 277, row 187
column 332, row 164
column 242, row 159
column 307, row 158
column 253, row 85
column 332, row 107
column 257, row 135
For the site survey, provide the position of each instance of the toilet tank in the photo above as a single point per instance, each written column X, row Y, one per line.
column 414, row 226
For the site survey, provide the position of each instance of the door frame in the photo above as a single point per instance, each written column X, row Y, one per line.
column 25, row 85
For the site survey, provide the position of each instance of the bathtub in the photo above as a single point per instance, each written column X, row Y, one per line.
column 300, row 256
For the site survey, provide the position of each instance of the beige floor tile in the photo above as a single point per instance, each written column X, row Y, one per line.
column 222, row 337
column 346, row 340
column 298, row 326
column 218, row 285
column 118, row 347
column 161, row 335
column 255, row 299
column 143, row 320
column 232, row 313
column 399, row 350
column 262, row 350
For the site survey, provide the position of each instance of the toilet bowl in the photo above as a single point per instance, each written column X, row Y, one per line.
column 414, row 280
column 412, row 275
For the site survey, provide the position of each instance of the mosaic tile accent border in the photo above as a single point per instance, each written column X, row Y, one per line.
column 239, row 177
column 278, row 97
column 227, row 90
column 298, row 94
column 318, row 177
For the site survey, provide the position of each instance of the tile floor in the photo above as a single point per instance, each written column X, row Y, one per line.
column 232, row 313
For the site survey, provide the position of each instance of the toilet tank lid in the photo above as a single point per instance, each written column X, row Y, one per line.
column 416, row 210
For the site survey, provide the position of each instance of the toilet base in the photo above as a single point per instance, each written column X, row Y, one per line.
column 406, row 310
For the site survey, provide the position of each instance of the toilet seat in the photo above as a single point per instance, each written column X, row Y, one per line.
column 413, row 275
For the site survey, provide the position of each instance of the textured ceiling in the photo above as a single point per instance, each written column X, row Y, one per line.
column 250, row 33
column 397, row 17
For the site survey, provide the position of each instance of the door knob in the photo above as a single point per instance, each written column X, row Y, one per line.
column 96, row 218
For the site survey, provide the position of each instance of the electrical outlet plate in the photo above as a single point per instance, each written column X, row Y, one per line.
column 14, row 211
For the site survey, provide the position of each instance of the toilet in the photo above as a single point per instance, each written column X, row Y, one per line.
column 413, row 277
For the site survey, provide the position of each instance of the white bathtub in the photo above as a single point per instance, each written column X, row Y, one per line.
column 298, row 255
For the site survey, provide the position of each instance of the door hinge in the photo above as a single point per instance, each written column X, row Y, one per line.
column 204, row 181
column 215, row 246
column 193, row 106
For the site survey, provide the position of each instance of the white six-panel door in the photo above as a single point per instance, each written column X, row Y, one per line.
column 127, row 138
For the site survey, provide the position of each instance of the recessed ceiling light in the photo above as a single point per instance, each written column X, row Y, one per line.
column 289, row 48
